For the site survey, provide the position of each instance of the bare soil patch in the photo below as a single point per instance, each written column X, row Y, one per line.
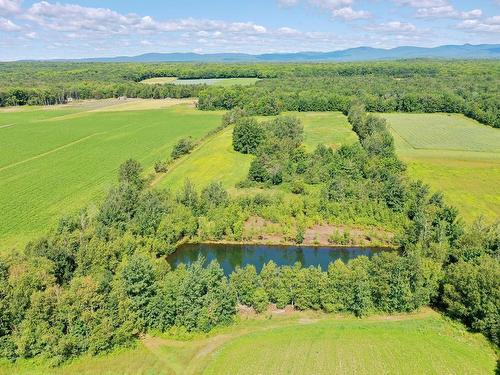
column 259, row 230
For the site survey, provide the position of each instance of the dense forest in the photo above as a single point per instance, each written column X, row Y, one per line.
column 471, row 88
column 101, row 279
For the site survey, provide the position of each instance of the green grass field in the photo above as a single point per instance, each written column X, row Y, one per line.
column 299, row 343
column 159, row 80
column 202, row 81
column 57, row 161
column 215, row 159
column 329, row 128
column 455, row 155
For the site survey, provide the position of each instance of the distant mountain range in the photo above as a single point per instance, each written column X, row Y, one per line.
column 466, row 51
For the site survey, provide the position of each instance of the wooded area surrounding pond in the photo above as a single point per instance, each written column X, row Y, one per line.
column 100, row 279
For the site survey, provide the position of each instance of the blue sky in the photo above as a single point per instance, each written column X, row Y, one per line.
column 91, row 28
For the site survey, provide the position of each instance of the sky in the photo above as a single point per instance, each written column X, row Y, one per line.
column 91, row 28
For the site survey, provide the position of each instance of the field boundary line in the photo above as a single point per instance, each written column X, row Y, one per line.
column 49, row 152
column 6, row 126
column 400, row 136
column 122, row 107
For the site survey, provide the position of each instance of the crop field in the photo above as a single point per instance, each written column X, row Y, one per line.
column 215, row 159
column 56, row 161
column 452, row 154
column 300, row 343
column 202, row 81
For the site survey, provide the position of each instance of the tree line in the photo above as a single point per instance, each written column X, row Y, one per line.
column 468, row 87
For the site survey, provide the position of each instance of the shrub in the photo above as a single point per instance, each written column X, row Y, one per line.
column 161, row 166
column 298, row 187
column 130, row 173
column 300, row 235
column 338, row 238
column 183, row 146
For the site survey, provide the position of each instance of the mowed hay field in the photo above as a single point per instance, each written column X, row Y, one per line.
column 215, row 159
column 455, row 155
column 299, row 343
column 56, row 161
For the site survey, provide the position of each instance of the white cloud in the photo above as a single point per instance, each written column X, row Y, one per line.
column 331, row 4
column 444, row 11
column 288, row 31
column 70, row 17
column 337, row 8
column 422, row 3
column 447, row 11
column 289, row 3
column 475, row 13
column 76, row 18
column 393, row 27
column 8, row 7
column 341, row 9
column 438, row 9
column 487, row 25
column 8, row 25
column 349, row 14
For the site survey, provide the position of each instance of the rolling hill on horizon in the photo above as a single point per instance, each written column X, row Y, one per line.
column 465, row 51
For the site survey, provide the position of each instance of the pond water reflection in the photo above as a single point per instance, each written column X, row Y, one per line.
column 231, row 256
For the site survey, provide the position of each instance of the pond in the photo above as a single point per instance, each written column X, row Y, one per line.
column 231, row 256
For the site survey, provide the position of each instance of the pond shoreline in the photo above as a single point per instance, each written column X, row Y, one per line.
column 389, row 247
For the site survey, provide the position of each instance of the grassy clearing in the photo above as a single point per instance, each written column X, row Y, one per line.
column 202, row 81
column 452, row 154
column 300, row 343
column 55, row 162
column 218, row 81
column 159, row 80
column 330, row 128
column 215, row 160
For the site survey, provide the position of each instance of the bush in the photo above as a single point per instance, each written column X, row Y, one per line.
column 182, row 147
column 214, row 195
column 338, row 238
column 298, row 187
column 161, row 166
column 130, row 173
column 300, row 234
